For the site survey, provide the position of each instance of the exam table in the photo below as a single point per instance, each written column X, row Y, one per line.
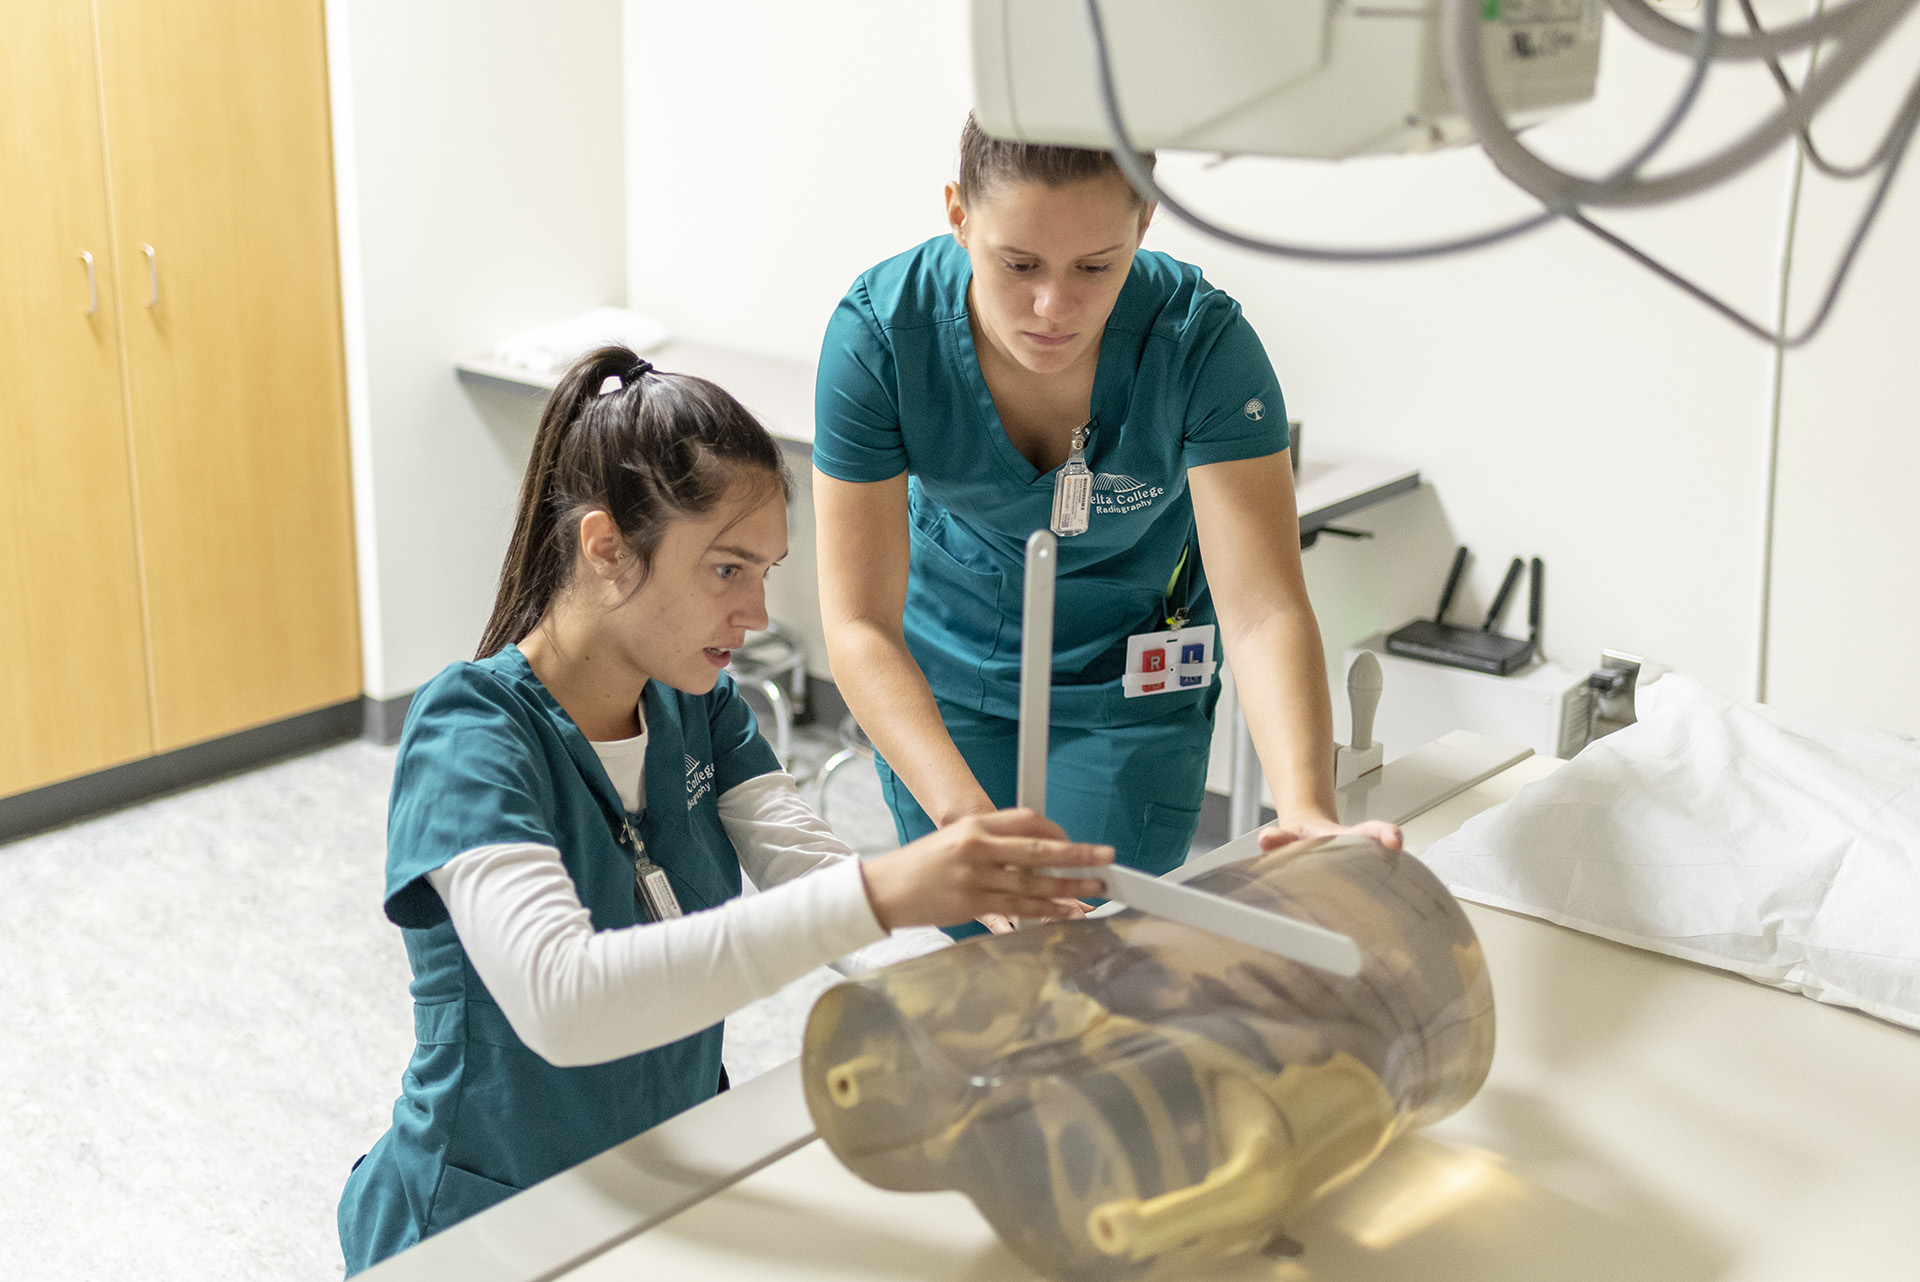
column 1645, row 1118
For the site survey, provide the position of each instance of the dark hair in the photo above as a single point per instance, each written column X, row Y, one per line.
column 986, row 162
column 649, row 451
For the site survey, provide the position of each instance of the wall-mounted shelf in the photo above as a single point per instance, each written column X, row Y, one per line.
column 777, row 390
column 1328, row 489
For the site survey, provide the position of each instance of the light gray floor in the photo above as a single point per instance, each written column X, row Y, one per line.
column 204, row 1017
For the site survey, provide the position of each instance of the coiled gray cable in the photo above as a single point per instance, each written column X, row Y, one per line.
column 1856, row 28
column 1464, row 63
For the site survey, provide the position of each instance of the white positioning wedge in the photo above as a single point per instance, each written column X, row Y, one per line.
column 1298, row 941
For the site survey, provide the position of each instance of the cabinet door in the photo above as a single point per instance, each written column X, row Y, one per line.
column 73, row 687
column 220, row 156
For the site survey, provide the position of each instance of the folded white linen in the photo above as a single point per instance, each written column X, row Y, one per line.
column 1740, row 836
column 547, row 348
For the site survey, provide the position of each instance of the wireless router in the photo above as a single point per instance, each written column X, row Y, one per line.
column 1476, row 649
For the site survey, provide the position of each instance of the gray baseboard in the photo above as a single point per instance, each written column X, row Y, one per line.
column 381, row 719
column 118, row 786
column 376, row 720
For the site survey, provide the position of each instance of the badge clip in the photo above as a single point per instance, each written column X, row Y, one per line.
column 653, row 889
column 1073, row 489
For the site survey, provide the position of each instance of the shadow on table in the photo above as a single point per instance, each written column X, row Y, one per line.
column 1440, row 1211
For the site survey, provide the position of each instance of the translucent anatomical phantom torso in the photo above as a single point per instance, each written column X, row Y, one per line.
column 1126, row 1096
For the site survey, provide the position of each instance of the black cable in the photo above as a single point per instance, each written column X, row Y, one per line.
column 1703, row 53
column 1789, row 92
column 1904, row 129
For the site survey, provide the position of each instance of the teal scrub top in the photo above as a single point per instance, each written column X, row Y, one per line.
column 488, row 757
column 1182, row 381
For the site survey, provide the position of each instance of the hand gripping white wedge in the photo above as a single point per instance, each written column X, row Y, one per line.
column 1298, row 941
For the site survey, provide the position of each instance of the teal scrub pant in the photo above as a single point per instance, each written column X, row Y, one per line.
column 1134, row 787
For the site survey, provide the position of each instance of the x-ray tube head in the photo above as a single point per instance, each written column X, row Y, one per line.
column 1312, row 78
column 1127, row 1097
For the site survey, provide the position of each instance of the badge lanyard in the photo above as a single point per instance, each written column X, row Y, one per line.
column 1073, row 488
column 1179, row 589
column 1180, row 658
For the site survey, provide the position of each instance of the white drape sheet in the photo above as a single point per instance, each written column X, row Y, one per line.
column 1775, row 845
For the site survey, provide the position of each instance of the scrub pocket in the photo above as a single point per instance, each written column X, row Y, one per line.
column 955, row 615
column 1166, row 834
column 464, row 1193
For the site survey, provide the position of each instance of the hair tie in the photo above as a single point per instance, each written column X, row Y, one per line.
column 618, row 382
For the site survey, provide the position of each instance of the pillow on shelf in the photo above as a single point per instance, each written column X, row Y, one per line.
column 548, row 348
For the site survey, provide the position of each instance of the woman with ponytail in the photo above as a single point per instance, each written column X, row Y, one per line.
column 572, row 812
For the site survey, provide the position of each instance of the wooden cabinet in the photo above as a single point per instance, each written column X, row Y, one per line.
column 176, row 555
column 73, row 689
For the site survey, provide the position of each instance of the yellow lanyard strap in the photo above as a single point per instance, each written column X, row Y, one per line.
column 1176, row 616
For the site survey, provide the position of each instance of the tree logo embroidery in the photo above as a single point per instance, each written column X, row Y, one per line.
column 1254, row 409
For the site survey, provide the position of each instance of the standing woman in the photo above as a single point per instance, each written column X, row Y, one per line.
column 572, row 811
column 955, row 382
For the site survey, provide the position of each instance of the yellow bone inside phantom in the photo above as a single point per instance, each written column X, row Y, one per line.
column 1319, row 1125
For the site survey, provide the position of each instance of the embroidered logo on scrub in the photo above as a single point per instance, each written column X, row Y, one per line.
column 699, row 781
column 1253, row 409
column 1116, row 494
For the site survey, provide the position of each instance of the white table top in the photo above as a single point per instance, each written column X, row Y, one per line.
column 1644, row 1119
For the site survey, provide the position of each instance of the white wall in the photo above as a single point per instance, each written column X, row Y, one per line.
column 1560, row 400
column 479, row 161
column 774, row 152
column 1846, row 564
column 777, row 150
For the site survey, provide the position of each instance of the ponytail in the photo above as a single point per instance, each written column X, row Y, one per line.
column 646, row 447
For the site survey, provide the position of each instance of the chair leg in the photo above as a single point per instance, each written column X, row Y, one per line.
column 782, row 706
column 825, row 777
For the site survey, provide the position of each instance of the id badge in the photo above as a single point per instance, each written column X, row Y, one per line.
column 1160, row 662
column 655, row 891
column 1073, row 490
column 650, row 884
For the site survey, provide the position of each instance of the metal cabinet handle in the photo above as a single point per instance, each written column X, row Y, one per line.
column 93, row 290
column 153, row 276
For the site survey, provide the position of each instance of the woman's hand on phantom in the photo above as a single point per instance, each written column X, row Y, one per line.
column 998, row 925
column 1282, row 832
column 981, row 865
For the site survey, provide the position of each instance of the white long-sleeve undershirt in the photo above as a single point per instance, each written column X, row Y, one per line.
column 577, row 996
